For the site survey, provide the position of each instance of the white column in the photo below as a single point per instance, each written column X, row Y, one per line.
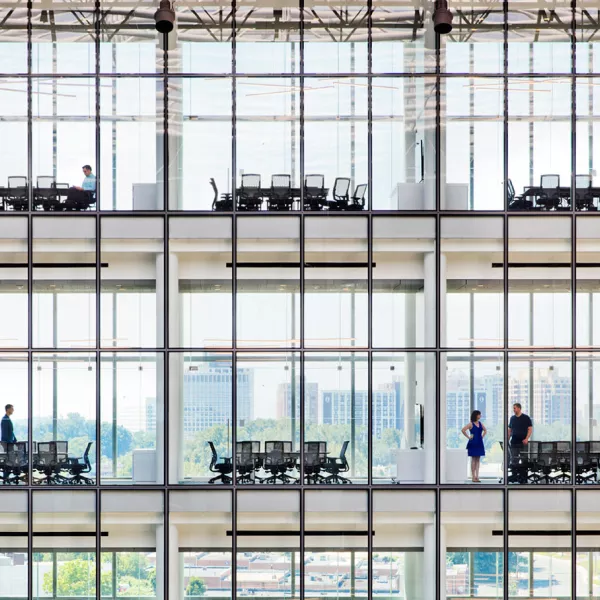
column 160, row 561
column 160, row 404
column 431, row 411
column 442, row 562
column 414, row 580
column 442, row 382
column 410, row 370
column 176, row 375
column 175, row 565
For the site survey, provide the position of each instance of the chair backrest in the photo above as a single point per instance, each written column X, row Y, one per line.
column 214, row 457
column 215, row 188
column 594, row 447
column 582, row 447
column 274, row 453
column 549, row 181
column 563, row 447
column 86, row 454
column 245, row 453
column 343, row 450
column 359, row 194
column 17, row 182
column 250, row 181
column 316, row 182
column 583, row 181
column 313, row 454
column 46, row 454
column 511, row 190
column 46, row 181
column 283, row 182
column 341, row 187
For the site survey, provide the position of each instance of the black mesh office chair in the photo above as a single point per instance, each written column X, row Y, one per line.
column 16, row 461
column 46, row 461
column 341, row 189
column 516, row 202
column 357, row 200
column 246, row 461
column 250, row 194
column 315, row 454
column 79, row 467
column 225, row 203
column 337, row 465
column 278, row 461
column 45, row 193
column 280, row 194
column 17, row 193
column 224, row 468
column 584, row 199
column 314, row 192
column 549, row 197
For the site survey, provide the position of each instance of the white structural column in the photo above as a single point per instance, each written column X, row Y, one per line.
column 432, row 412
column 442, row 370
column 160, row 561
column 175, row 375
column 160, row 372
column 175, row 564
column 410, row 370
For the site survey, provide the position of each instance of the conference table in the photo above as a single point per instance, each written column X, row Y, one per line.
column 563, row 193
column 265, row 193
column 46, row 198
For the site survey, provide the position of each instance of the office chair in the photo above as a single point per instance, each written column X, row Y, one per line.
column 79, row 466
column 562, row 462
column 44, row 193
column 226, row 201
column 341, row 188
column 516, row 202
column 357, row 200
column 51, row 459
column 246, row 461
column 280, row 194
column 315, row 454
column 5, row 473
column 249, row 194
column 584, row 199
column 17, row 193
column 337, row 465
column 549, row 197
column 594, row 453
column 314, row 192
column 278, row 461
column 223, row 468
column 583, row 464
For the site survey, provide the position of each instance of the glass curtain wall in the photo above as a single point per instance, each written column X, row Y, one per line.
column 260, row 280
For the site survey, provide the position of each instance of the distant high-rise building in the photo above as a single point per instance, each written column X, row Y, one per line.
column 207, row 396
column 340, row 408
column 311, row 401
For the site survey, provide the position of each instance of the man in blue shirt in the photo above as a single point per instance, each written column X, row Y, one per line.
column 7, row 433
column 80, row 197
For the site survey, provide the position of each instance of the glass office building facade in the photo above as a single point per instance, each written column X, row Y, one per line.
column 319, row 237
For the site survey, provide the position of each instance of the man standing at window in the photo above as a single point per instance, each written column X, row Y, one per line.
column 82, row 197
column 7, row 433
column 520, row 429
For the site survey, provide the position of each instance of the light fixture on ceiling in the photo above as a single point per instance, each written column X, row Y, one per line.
column 442, row 17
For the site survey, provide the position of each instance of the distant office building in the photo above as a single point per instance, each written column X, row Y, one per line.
column 207, row 396
column 311, row 401
column 341, row 407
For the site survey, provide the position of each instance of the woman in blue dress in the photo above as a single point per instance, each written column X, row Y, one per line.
column 475, row 446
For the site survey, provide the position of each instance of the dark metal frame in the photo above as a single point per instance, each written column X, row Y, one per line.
column 163, row 351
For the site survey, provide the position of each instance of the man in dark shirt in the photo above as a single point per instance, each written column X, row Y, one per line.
column 7, row 433
column 520, row 427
